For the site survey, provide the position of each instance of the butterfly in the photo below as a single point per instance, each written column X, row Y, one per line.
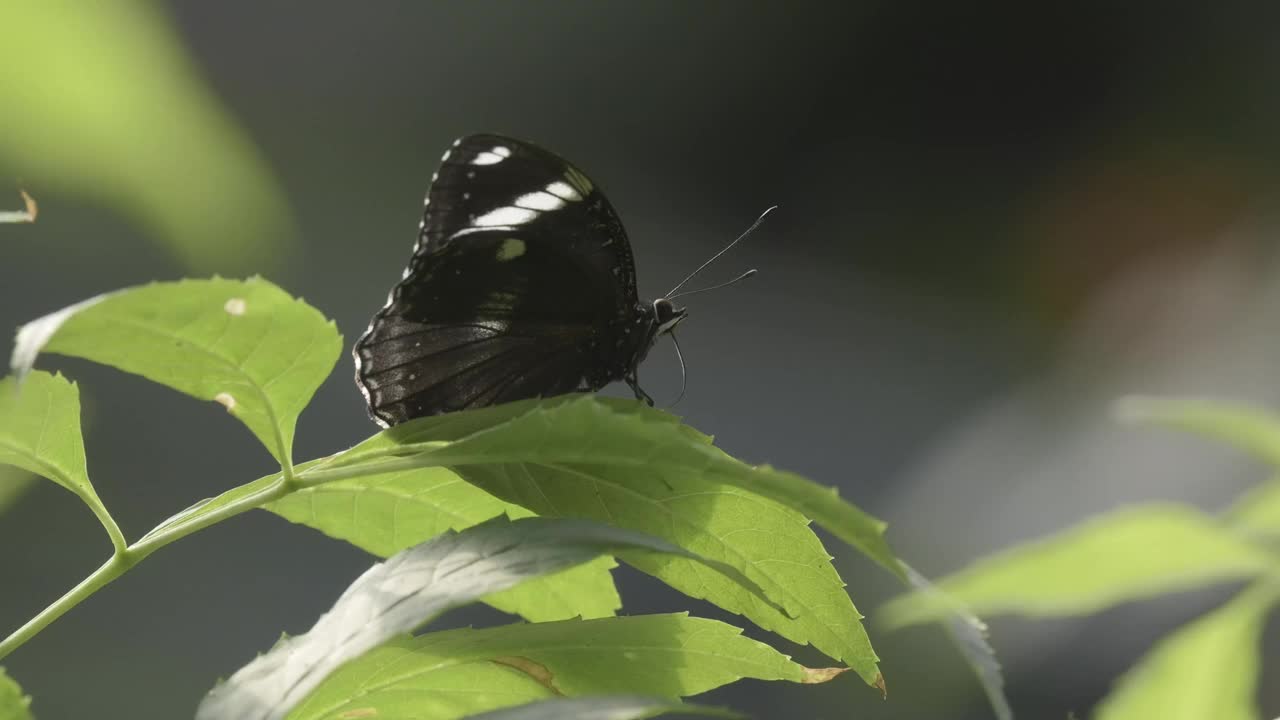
column 522, row 284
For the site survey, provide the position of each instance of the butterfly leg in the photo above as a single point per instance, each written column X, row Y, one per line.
column 640, row 394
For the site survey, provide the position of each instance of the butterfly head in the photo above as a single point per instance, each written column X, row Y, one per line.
column 666, row 316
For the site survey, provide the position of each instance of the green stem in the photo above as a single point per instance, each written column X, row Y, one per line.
column 125, row 557
column 118, row 544
column 123, row 560
column 110, row 570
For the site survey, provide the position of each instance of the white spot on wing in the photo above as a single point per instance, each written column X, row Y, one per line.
column 505, row 216
column 503, row 151
column 564, row 191
column 235, row 306
column 486, row 158
column 539, row 201
column 225, row 400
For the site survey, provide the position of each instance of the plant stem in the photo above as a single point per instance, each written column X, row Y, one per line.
column 125, row 558
column 110, row 570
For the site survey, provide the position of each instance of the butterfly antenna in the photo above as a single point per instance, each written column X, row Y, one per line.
column 747, row 232
column 683, row 376
column 741, row 277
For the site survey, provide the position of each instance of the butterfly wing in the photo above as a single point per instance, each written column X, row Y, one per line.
column 522, row 284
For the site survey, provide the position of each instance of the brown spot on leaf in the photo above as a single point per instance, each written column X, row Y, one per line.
column 884, row 691
column 813, row 676
column 358, row 713
column 537, row 671
column 32, row 208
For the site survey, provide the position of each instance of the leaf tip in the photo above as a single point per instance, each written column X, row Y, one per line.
column 879, row 683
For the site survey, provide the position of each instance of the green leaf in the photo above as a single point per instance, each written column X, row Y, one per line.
column 245, row 344
column 1250, row 429
column 410, row 589
column 1121, row 556
column 631, row 466
column 969, row 634
column 458, row 672
column 91, row 80
column 40, row 433
column 603, row 707
column 384, row 514
column 13, row 704
column 1207, row 669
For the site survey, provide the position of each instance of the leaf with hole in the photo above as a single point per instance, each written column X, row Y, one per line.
column 245, row 344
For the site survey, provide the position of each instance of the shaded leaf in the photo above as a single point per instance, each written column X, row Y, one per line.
column 631, row 466
column 13, row 704
column 245, row 344
column 451, row 674
column 407, row 591
column 1207, row 669
column 1102, row 562
column 969, row 634
column 384, row 514
column 89, row 79
column 1250, row 429
column 603, row 707
column 40, row 433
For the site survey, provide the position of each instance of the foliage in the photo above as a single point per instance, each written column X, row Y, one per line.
column 523, row 506
column 1210, row 667
column 88, row 79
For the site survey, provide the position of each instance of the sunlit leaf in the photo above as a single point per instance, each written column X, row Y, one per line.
column 410, row 589
column 13, row 704
column 458, row 672
column 40, row 433
column 1250, row 429
column 602, row 707
column 387, row 513
column 634, row 467
column 103, row 101
column 1121, row 556
column 245, row 344
column 1207, row 669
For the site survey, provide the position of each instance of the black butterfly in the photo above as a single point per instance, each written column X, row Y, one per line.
column 521, row 285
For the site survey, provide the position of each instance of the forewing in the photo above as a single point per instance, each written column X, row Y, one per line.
column 488, row 181
column 522, row 269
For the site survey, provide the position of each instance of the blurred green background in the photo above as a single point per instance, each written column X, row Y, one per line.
column 994, row 219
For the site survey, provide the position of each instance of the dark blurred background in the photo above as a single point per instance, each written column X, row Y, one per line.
column 995, row 219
